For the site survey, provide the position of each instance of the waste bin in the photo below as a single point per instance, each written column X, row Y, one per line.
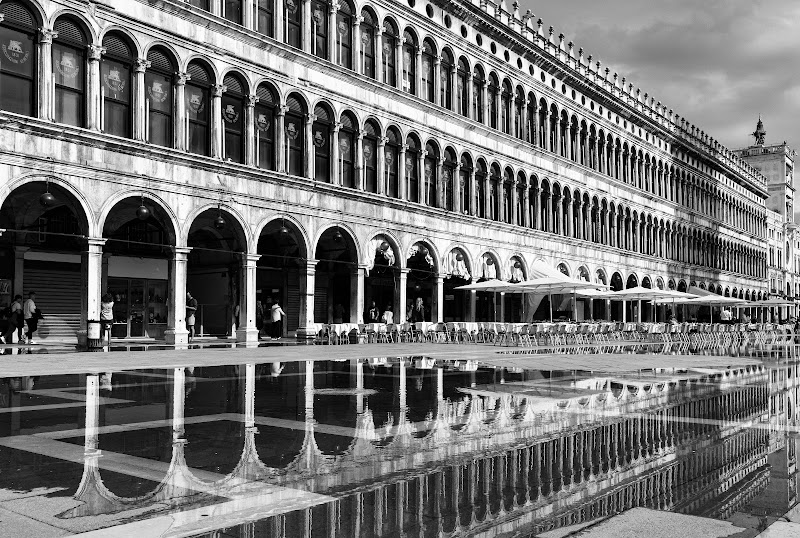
column 93, row 331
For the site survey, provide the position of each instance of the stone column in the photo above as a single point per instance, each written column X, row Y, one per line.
column 356, row 44
column 400, row 296
column 93, row 88
column 401, row 170
column 250, row 131
column 383, row 175
column 305, row 41
column 485, row 103
column 537, row 213
column 571, row 218
column 487, row 196
column 466, row 95
column 398, row 64
column 248, row 14
column 47, row 81
column 309, row 146
column 514, row 207
column 280, row 138
column 361, row 172
column 526, row 217
column 247, row 331
column 176, row 332
column 19, row 269
column 333, row 50
column 357, row 294
column 437, row 310
column 473, row 301
column 437, row 80
column 180, row 111
column 91, row 279
column 217, row 130
column 418, row 71
column 141, row 105
column 279, row 22
column 306, row 323
column 335, row 174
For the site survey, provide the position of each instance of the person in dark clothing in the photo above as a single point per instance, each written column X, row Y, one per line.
column 418, row 312
column 14, row 321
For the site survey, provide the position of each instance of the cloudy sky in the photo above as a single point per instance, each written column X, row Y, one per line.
column 719, row 63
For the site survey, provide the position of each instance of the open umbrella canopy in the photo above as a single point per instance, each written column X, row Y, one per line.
column 555, row 284
column 708, row 300
column 594, row 294
column 640, row 293
column 772, row 302
column 492, row 285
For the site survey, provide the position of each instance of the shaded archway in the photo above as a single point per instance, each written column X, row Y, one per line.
column 139, row 232
column 599, row 306
column 456, row 267
column 486, row 303
column 45, row 229
column 616, row 306
column 421, row 281
column 513, row 302
column 631, row 307
column 382, row 281
column 214, row 271
column 337, row 262
column 282, row 248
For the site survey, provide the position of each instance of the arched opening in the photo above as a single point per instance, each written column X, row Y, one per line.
column 139, row 234
column 69, row 72
column 159, row 82
column 382, row 280
column 486, row 302
column 198, row 108
column 343, row 39
column 116, row 73
column 370, row 157
column 409, row 81
column 513, row 302
column 428, row 55
column 446, row 68
column 18, row 75
column 295, row 141
column 421, row 281
column 431, row 174
column 321, row 138
column 616, row 306
column 336, row 266
column 599, row 310
column 214, row 272
column 456, row 302
column 413, row 153
column 392, row 162
column 233, row 117
column 266, row 155
column 40, row 251
column 389, row 48
column 283, row 255
column 369, row 36
column 631, row 307
column 478, row 82
column 465, row 184
column 648, row 313
column 448, row 179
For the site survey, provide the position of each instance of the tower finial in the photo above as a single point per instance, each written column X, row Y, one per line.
column 760, row 133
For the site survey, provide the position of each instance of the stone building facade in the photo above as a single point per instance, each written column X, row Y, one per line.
column 332, row 155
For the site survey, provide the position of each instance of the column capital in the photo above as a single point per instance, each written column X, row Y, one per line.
column 250, row 259
column 45, row 35
column 358, row 20
column 96, row 241
column 404, row 272
column 218, row 89
column 96, row 52
column 179, row 252
column 182, row 78
column 251, row 101
column 141, row 65
column 382, row 141
column 282, row 110
column 310, row 118
column 403, row 148
column 360, row 135
column 336, row 127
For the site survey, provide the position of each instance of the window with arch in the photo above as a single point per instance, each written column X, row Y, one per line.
column 347, row 150
column 344, row 35
column 492, row 96
column 293, row 23
column 520, row 199
column 369, row 34
column 431, row 174
column 319, row 28
column 115, row 76
column 293, row 132
column 392, row 159
column 158, row 81
column 321, row 138
column 264, row 117
column 477, row 94
column 233, row 106
column 428, row 53
column 446, row 80
column 531, row 119
column 409, row 63
column 389, row 54
column 198, row 108
column 464, row 186
column 494, row 194
column 266, row 17
column 519, row 114
column 448, row 179
column 69, row 72
column 412, row 168
column 232, row 11
column 508, row 187
column 461, row 87
column 505, row 107
column 480, row 184
column 370, row 148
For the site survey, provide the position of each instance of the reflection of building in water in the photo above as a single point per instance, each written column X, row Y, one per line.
column 524, row 454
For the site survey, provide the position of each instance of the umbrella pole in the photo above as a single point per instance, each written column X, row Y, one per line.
column 574, row 305
column 550, row 300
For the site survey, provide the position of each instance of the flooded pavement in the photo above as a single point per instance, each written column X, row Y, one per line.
column 402, row 446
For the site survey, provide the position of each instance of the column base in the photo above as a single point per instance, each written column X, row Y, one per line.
column 248, row 335
column 176, row 336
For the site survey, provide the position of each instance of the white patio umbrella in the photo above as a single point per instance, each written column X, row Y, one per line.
column 494, row 286
column 709, row 300
column 555, row 284
column 640, row 293
column 775, row 302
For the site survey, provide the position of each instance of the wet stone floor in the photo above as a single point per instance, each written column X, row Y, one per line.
column 400, row 446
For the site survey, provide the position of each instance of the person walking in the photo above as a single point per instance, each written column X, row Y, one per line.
column 388, row 315
column 418, row 312
column 277, row 315
column 15, row 321
column 191, row 308
column 259, row 317
column 31, row 315
column 106, row 314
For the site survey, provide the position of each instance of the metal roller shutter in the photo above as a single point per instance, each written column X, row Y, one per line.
column 58, row 295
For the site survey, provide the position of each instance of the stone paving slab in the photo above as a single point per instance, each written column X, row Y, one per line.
column 97, row 362
column 646, row 523
column 781, row 529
